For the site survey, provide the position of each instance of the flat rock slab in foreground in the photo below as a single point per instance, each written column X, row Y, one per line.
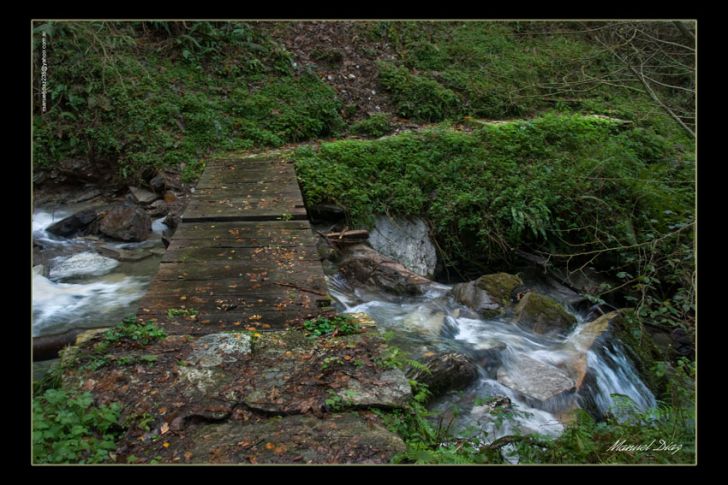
column 275, row 397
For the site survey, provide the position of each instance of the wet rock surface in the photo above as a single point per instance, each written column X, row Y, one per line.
column 446, row 372
column 126, row 222
column 540, row 383
column 490, row 295
column 542, row 314
column 214, row 398
column 406, row 241
column 78, row 223
column 364, row 265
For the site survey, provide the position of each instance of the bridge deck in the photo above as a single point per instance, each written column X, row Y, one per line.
column 243, row 256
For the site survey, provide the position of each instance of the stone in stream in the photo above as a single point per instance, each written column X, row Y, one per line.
column 141, row 196
column 406, row 241
column 489, row 295
column 158, row 208
column 542, row 314
column 543, row 385
column 82, row 264
column 446, row 372
column 78, row 223
column 126, row 223
column 425, row 321
column 124, row 255
column 364, row 265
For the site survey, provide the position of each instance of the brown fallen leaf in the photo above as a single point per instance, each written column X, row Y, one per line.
column 164, row 429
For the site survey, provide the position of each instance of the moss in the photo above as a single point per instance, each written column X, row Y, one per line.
column 542, row 314
column 499, row 286
column 641, row 349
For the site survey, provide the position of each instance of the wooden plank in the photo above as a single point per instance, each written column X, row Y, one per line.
column 236, row 258
column 274, row 255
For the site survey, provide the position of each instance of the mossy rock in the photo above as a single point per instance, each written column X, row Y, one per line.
column 640, row 347
column 499, row 286
column 542, row 314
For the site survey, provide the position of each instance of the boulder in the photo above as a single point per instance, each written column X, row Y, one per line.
column 126, row 223
column 447, row 372
column 488, row 355
column 473, row 297
column 78, row 223
column 542, row 314
column 364, row 265
column 541, row 384
column 425, row 320
column 82, row 264
column 141, row 196
column 406, row 241
column 163, row 182
column 489, row 295
column 158, row 208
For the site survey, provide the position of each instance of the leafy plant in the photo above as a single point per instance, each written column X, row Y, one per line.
column 70, row 428
column 339, row 325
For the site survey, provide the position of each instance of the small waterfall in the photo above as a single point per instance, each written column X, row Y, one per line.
column 530, row 363
column 78, row 287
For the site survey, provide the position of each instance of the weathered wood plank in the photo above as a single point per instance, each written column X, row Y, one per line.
column 243, row 256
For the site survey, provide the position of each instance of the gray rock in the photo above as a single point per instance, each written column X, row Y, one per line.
column 163, row 182
column 489, row 356
column 449, row 371
column 542, row 314
column 406, row 241
column 479, row 300
column 82, row 264
column 158, row 208
column 141, row 196
column 542, row 384
column 214, row 349
column 74, row 224
column 489, row 295
column 393, row 391
column 364, row 265
column 126, row 223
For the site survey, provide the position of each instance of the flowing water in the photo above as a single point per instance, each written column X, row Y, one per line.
column 76, row 287
column 531, row 367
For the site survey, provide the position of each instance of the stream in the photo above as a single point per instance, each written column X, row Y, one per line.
column 74, row 286
column 436, row 322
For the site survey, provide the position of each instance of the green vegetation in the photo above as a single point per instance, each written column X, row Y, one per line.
column 154, row 94
column 575, row 187
column 130, row 329
column 374, row 126
column 69, row 428
column 339, row 325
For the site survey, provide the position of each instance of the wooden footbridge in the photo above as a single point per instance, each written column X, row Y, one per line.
column 243, row 255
